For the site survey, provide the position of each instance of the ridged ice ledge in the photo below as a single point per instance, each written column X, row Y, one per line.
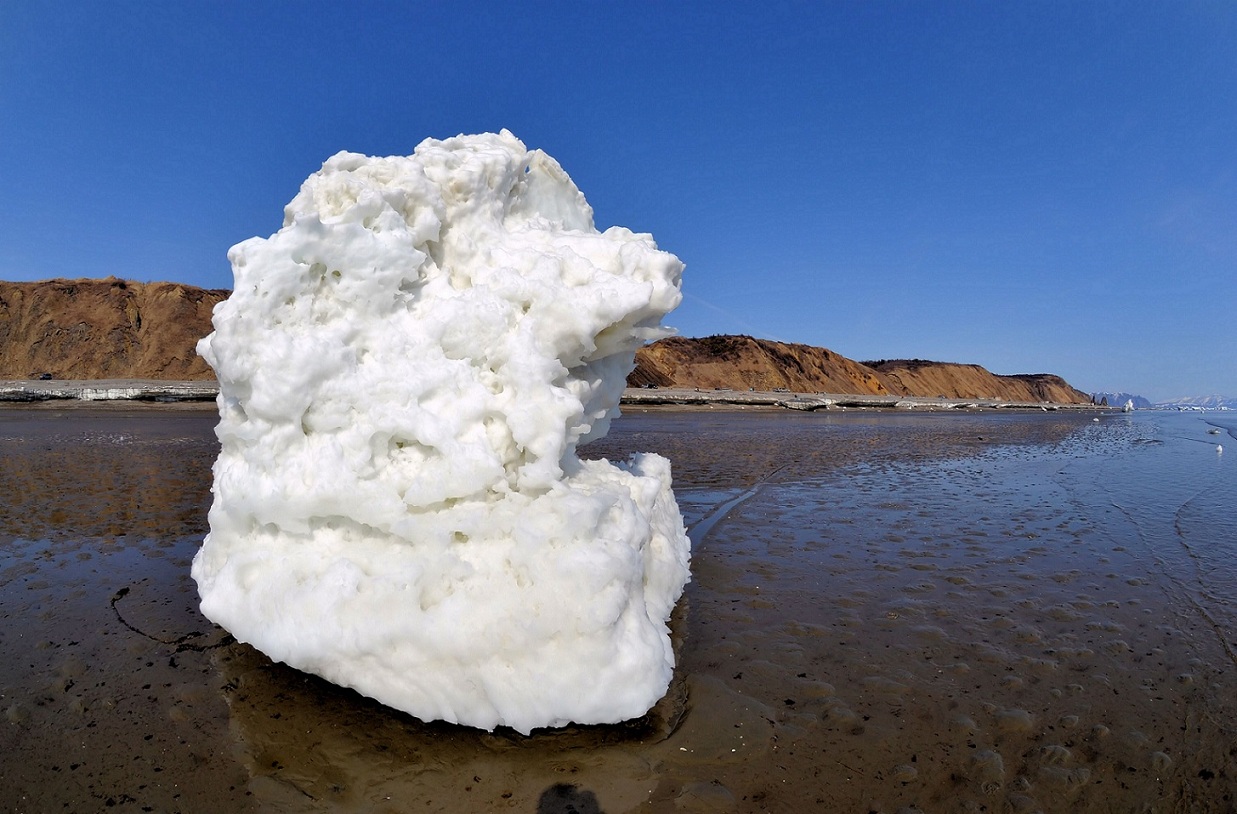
column 829, row 401
column 167, row 391
column 107, row 390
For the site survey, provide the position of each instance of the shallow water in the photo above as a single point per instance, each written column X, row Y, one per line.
column 889, row 612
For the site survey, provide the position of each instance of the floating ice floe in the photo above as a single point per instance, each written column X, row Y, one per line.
column 406, row 369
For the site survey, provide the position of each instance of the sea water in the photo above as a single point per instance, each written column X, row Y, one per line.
column 1171, row 489
column 889, row 611
column 955, row 612
column 1156, row 484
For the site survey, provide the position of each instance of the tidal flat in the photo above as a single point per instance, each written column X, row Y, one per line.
column 889, row 612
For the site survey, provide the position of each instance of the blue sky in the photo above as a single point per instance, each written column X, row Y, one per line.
column 1033, row 187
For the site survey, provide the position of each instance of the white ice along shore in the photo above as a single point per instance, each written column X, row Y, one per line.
column 405, row 370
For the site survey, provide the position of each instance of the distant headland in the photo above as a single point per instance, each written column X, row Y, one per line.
column 92, row 329
column 742, row 363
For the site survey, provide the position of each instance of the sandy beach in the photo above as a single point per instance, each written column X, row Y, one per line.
column 889, row 612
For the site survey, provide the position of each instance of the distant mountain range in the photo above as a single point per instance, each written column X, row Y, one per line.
column 1119, row 400
column 1187, row 402
column 1200, row 403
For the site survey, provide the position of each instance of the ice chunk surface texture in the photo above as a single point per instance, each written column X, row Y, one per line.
column 405, row 370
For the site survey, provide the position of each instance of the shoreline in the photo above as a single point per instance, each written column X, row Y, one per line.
column 808, row 402
column 160, row 391
column 106, row 390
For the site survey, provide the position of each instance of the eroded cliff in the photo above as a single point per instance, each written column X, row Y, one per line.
column 741, row 362
column 917, row 377
column 104, row 329
column 120, row 329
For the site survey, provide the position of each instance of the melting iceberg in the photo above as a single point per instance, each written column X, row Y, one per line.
column 405, row 370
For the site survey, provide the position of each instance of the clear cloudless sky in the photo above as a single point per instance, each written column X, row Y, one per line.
column 1044, row 186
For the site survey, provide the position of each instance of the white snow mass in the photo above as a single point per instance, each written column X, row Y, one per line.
column 405, row 371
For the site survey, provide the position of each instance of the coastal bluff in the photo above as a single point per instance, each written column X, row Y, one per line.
column 104, row 329
column 745, row 363
column 87, row 330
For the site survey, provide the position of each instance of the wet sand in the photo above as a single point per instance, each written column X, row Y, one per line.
column 888, row 613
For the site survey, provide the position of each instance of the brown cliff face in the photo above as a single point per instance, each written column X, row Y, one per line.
column 916, row 377
column 741, row 362
column 104, row 329
column 119, row 329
